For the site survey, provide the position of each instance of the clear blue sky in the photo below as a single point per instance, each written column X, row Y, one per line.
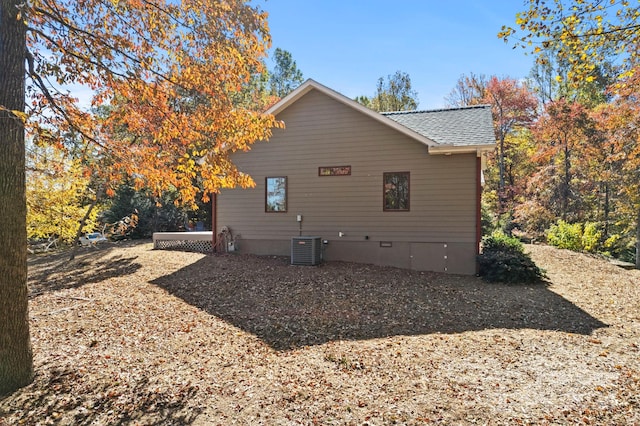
column 348, row 44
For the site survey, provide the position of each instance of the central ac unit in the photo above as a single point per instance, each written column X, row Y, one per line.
column 306, row 250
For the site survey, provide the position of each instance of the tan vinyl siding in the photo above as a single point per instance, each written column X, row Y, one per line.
column 321, row 132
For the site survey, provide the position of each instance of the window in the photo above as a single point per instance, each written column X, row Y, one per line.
column 276, row 194
column 396, row 191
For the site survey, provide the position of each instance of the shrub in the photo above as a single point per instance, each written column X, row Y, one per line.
column 565, row 235
column 620, row 247
column 501, row 242
column 503, row 260
column 486, row 219
column 576, row 237
column 591, row 236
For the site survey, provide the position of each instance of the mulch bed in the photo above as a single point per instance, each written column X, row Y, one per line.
column 129, row 335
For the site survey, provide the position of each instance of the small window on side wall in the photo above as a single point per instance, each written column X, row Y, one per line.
column 276, row 195
column 396, row 191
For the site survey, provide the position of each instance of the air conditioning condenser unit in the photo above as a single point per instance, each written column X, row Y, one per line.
column 306, row 251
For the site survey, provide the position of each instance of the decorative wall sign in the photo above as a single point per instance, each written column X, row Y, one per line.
column 334, row 171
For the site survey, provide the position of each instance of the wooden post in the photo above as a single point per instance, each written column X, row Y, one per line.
column 478, row 208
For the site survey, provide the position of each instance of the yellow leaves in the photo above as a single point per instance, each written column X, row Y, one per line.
column 57, row 194
column 582, row 33
column 20, row 115
column 169, row 72
column 628, row 73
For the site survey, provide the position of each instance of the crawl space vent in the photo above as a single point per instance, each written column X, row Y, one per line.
column 306, row 250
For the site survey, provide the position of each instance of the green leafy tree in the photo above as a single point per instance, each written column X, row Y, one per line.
column 364, row 101
column 285, row 76
column 394, row 94
column 255, row 94
column 155, row 214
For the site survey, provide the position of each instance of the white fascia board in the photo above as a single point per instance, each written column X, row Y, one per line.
column 461, row 149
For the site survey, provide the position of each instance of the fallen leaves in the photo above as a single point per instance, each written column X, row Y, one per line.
column 178, row 338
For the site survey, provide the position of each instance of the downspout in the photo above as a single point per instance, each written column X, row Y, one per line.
column 214, row 221
column 478, row 208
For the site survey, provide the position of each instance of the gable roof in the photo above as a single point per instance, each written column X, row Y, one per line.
column 444, row 131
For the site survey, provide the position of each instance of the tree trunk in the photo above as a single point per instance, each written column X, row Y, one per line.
column 501, row 169
column 74, row 247
column 606, row 209
column 638, row 239
column 16, row 360
column 566, row 190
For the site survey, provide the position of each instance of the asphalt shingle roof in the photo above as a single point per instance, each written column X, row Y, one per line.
column 465, row 126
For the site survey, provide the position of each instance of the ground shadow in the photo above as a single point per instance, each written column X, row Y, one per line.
column 54, row 271
column 291, row 306
column 59, row 396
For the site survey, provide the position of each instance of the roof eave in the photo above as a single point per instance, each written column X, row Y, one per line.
column 461, row 149
column 479, row 150
column 310, row 84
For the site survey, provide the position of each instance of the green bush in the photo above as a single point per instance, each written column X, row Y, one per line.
column 576, row 237
column 621, row 247
column 503, row 260
column 591, row 236
column 500, row 241
column 565, row 235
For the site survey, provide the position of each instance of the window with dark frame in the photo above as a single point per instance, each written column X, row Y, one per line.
column 396, row 191
column 276, row 194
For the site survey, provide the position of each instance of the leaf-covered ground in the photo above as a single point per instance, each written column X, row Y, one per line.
column 128, row 335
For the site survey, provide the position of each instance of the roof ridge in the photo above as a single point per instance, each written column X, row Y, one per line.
column 480, row 106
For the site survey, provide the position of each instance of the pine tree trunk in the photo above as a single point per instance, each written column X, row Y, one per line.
column 16, row 361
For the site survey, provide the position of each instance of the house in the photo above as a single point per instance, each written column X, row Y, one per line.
column 399, row 189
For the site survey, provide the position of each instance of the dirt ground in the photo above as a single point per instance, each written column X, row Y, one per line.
column 129, row 335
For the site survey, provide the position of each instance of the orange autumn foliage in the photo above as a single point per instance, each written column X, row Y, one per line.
column 163, row 74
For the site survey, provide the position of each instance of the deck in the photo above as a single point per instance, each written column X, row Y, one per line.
column 200, row 241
